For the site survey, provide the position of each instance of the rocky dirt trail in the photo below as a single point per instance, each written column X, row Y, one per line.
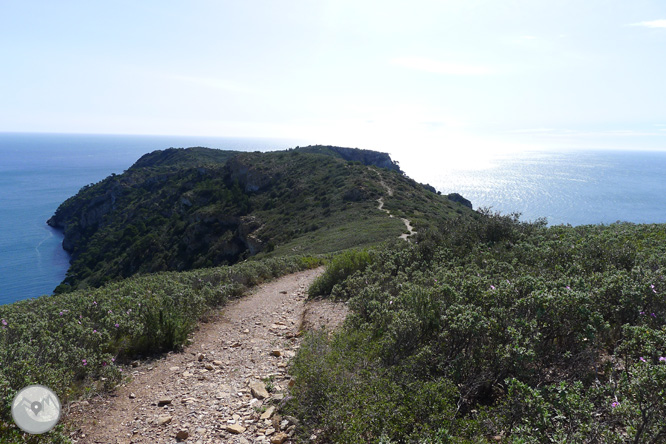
column 224, row 387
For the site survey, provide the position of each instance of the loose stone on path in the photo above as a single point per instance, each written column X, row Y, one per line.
column 258, row 390
column 213, row 392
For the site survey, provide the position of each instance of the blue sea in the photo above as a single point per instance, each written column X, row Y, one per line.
column 565, row 187
column 40, row 171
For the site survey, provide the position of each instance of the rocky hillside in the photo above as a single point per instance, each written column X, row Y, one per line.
column 180, row 209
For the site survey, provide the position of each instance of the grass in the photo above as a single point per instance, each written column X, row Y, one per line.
column 370, row 230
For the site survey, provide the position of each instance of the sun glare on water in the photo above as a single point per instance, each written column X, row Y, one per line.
column 426, row 155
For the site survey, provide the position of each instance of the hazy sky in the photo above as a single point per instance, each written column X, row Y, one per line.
column 457, row 76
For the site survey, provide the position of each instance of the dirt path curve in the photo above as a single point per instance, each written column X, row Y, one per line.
column 409, row 228
column 203, row 395
column 380, row 201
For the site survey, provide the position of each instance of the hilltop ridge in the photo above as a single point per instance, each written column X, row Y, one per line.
column 182, row 157
column 366, row 157
column 180, row 209
column 198, row 156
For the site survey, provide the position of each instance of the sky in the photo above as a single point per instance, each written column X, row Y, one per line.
column 455, row 78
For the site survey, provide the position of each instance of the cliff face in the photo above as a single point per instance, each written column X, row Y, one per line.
column 75, row 217
column 95, row 207
column 155, row 218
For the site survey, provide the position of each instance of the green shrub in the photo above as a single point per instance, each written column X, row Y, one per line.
column 343, row 391
column 540, row 334
column 76, row 343
column 341, row 266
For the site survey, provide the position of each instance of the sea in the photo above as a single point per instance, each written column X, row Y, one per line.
column 40, row 171
column 566, row 187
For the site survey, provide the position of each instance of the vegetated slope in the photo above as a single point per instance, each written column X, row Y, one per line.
column 79, row 342
column 181, row 209
column 489, row 330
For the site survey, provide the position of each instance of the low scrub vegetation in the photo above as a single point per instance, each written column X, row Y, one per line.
column 178, row 210
column 340, row 267
column 77, row 343
column 495, row 330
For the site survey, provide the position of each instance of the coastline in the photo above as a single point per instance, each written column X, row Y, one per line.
column 40, row 171
column 586, row 188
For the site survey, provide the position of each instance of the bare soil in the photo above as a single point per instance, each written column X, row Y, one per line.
column 202, row 395
column 380, row 206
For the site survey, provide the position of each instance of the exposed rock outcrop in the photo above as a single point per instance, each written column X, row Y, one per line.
column 82, row 215
column 247, row 229
column 455, row 197
column 247, row 176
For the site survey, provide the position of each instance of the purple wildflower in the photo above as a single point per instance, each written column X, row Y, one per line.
column 662, row 359
column 642, row 313
column 110, row 311
column 653, row 315
column 84, row 362
column 568, row 288
column 4, row 322
column 61, row 313
column 117, row 325
column 94, row 331
column 642, row 360
column 492, row 287
column 615, row 404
